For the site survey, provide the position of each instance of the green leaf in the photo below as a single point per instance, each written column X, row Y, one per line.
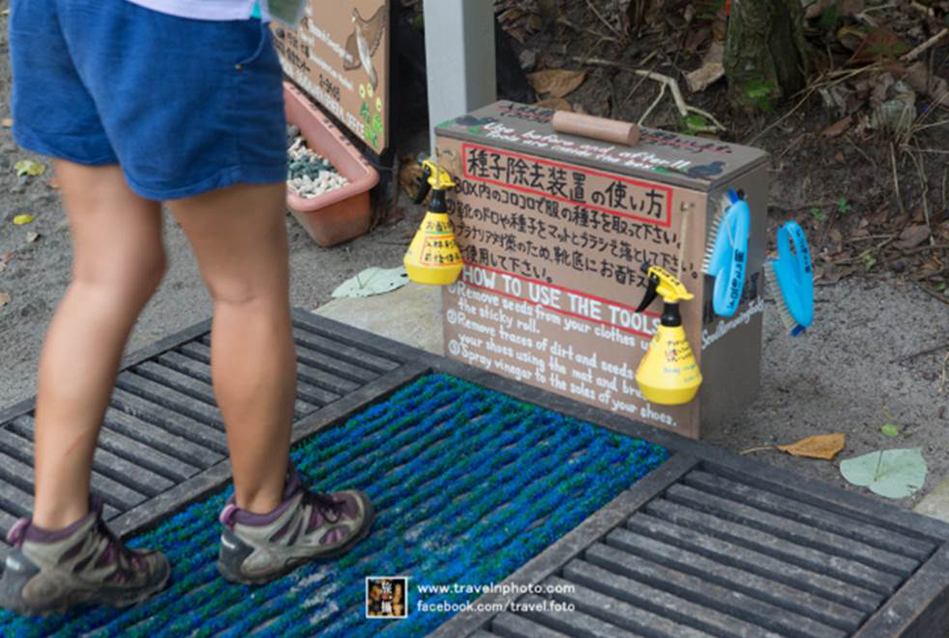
column 372, row 281
column 29, row 167
column 694, row 123
column 828, row 19
column 843, row 206
column 890, row 473
column 890, row 429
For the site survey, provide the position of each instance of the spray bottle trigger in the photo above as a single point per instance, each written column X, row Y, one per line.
column 652, row 291
column 424, row 185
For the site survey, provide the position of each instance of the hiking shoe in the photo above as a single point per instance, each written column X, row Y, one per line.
column 257, row 548
column 85, row 563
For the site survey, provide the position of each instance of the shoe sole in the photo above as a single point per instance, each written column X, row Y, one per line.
column 77, row 599
column 295, row 563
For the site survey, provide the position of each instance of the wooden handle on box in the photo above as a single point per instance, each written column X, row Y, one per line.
column 598, row 128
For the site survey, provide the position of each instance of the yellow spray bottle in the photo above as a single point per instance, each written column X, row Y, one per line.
column 668, row 374
column 433, row 256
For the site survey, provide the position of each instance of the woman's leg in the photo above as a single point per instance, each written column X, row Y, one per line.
column 118, row 261
column 240, row 240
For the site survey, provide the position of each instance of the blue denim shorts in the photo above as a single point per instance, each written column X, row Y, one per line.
column 183, row 106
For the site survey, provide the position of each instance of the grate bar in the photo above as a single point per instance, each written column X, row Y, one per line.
column 739, row 602
column 763, row 600
column 108, row 464
column 343, row 369
column 307, row 391
column 864, row 531
column 761, row 563
column 363, row 354
column 511, row 625
column 573, row 623
column 619, row 613
column 668, row 605
column 152, row 459
column 317, row 377
column 150, row 408
column 114, row 493
column 793, row 531
column 198, row 388
column 14, row 502
column 167, row 397
column 744, row 536
column 161, row 439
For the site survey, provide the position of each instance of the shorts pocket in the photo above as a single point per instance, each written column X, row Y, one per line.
column 255, row 38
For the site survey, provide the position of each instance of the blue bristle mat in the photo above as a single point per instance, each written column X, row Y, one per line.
column 468, row 485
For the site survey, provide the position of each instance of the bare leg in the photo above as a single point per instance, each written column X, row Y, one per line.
column 118, row 261
column 240, row 241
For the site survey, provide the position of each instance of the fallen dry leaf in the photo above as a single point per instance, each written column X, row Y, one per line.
column 880, row 44
column 712, row 68
column 7, row 122
column 912, row 236
column 510, row 15
column 410, row 174
column 820, row 446
column 4, row 299
column 555, row 103
column 557, row 82
column 837, row 127
column 918, row 77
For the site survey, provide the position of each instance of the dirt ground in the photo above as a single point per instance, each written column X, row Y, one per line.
column 862, row 365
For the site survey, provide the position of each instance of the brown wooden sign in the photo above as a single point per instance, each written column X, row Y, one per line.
column 553, row 230
column 339, row 55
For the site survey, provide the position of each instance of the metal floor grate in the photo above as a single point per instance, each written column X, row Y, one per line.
column 709, row 543
column 717, row 554
column 163, row 427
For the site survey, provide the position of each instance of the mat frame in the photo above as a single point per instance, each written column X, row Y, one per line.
column 920, row 607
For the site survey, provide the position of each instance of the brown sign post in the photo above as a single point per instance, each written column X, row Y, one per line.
column 339, row 55
column 553, row 229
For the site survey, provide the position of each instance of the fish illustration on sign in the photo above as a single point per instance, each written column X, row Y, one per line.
column 363, row 42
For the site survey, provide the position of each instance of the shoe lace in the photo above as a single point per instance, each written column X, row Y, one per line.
column 324, row 504
column 115, row 550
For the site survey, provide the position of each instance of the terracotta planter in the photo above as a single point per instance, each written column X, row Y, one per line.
column 342, row 213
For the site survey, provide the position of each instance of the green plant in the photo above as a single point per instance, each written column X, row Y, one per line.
column 843, row 206
column 828, row 19
column 693, row 123
column 759, row 93
column 817, row 214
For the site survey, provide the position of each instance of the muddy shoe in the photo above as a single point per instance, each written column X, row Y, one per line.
column 257, row 548
column 85, row 563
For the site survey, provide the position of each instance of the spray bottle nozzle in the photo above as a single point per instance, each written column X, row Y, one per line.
column 423, row 186
column 664, row 284
column 433, row 176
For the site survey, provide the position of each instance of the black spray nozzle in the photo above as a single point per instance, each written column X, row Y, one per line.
column 652, row 290
column 424, row 186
